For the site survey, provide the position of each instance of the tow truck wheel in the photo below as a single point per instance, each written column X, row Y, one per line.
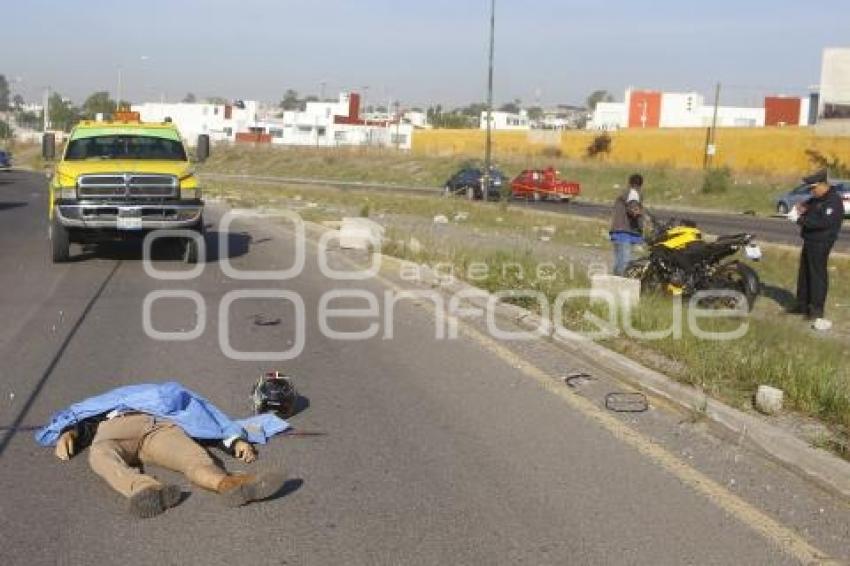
column 60, row 243
column 191, row 251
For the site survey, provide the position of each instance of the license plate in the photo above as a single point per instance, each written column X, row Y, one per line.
column 129, row 219
column 129, row 223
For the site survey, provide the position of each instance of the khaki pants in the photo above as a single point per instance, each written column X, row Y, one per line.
column 123, row 443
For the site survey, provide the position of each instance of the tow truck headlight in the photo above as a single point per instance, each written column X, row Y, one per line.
column 190, row 193
column 66, row 193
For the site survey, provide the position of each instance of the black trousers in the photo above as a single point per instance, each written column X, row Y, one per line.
column 812, row 278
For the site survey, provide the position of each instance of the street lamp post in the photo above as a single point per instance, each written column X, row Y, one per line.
column 488, row 141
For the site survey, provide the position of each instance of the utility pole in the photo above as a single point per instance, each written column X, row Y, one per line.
column 711, row 138
column 118, row 92
column 46, row 110
column 488, row 144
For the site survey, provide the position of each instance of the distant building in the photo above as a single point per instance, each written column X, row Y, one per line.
column 338, row 123
column 220, row 121
column 608, row 116
column 833, row 114
column 323, row 124
column 561, row 117
column 656, row 109
column 416, row 118
column 506, row 120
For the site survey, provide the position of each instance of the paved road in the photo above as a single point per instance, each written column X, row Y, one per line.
column 775, row 230
column 438, row 451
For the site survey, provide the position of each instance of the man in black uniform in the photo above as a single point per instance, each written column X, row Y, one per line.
column 820, row 220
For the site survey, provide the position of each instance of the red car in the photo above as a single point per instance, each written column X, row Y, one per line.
column 540, row 184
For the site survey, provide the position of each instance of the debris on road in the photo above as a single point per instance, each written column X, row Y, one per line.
column 262, row 320
column 461, row 216
column 769, row 399
column 626, row 402
column 575, row 379
column 441, row 219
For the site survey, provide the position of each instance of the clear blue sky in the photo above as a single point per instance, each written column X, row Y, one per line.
column 418, row 51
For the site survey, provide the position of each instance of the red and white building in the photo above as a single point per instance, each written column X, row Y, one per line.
column 339, row 123
column 656, row 109
column 323, row 124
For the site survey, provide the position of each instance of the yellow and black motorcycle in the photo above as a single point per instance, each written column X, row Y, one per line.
column 681, row 262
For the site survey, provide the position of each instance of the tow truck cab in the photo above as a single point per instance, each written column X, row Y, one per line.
column 121, row 179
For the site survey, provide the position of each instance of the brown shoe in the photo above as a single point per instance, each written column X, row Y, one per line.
column 237, row 490
column 151, row 501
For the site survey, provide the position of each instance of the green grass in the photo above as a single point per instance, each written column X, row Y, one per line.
column 664, row 186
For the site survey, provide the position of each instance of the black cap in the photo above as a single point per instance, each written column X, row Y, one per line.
column 817, row 177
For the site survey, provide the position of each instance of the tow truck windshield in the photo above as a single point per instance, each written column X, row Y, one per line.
column 125, row 147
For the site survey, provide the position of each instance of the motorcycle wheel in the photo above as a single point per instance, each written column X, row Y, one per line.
column 736, row 276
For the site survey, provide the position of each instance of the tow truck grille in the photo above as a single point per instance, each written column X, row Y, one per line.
column 127, row 186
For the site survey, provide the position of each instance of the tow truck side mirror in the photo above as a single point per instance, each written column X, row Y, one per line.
column 48, row 146
column 202, row 149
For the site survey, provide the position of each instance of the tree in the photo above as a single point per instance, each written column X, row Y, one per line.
column 18, row 101
column 216, row 100
column 535, row 113
column 5, row 130
column 290, row 100
column 62, row 113
column 512, row 107
column 596, row 97
column 474, row 110
column 98, row 103
column 29, row 120
column 4, row 93
column 189, row 98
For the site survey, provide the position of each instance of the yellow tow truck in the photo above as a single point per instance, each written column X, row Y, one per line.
column 121, row 179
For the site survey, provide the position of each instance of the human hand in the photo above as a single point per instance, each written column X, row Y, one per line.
column 65, row 445
column 244, row 451
column 793, row 214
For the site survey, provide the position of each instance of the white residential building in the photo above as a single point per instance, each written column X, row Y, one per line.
column 329, row 124
column 220, row 121
column 655, row 109
column 608, row 116
column 506, row 120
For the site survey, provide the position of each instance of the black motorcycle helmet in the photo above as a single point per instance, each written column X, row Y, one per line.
column 274, row 392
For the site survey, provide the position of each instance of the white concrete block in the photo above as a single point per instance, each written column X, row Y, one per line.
column 769, row 399
column 360, row 234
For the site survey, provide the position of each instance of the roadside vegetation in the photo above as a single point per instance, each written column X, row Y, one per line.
column 778, row 350
column 600, row 181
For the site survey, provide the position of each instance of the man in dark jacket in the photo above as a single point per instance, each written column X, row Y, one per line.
column 626, row 230
column 820, row 220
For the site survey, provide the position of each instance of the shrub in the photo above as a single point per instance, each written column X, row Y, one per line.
column 601, row 145
column 717, row 181
column 836, row 167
